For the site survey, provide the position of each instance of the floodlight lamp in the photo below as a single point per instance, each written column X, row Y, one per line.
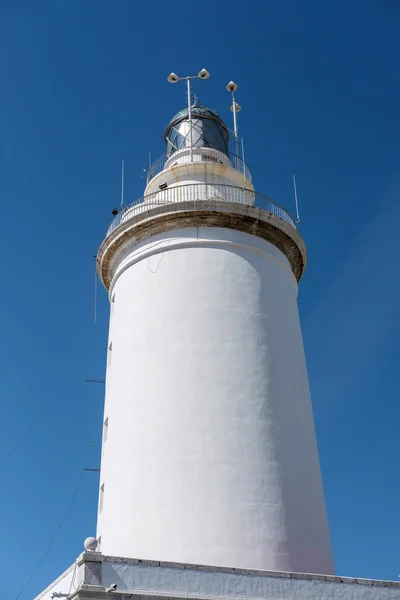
column 231, row 87
column 204, row 74
column 236, row 107
column 173, row 78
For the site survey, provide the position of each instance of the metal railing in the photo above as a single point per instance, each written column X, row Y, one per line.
column 235, row 161
column 197, row 197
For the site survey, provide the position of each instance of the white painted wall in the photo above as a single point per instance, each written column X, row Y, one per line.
column 66, row 583
column 210, row 455
column 178, row 171
column 181, row 581
column 154, row 579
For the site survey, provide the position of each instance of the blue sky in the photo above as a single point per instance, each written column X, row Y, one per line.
column 84, row 85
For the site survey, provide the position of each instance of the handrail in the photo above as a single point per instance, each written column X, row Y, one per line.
column 199, row 192
column 158, row 165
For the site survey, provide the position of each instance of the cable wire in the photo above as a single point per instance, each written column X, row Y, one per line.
column 73, row 581
column 58, row 392
column 40, row 414
column 84, row 449
column 76, row 490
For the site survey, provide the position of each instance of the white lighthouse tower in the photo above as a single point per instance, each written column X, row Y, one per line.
column 209, row 450
column 210, row 484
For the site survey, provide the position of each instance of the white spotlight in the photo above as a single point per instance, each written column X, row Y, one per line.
column 173, row 78
column 204, row 74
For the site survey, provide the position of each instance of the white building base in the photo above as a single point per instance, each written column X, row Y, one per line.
column 93, row 575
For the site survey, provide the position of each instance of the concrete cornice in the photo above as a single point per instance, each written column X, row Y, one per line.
column 179, row 215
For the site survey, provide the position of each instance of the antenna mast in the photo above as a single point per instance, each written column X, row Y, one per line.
column 296, row 200
column 235, row 108
column 122, row 183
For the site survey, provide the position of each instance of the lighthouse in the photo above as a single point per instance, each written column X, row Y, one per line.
column 209, row 453
column 210, row 484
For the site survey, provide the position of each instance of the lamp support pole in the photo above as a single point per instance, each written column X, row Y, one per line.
column 190, row 118
column 173, row 78
column 235, row 130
